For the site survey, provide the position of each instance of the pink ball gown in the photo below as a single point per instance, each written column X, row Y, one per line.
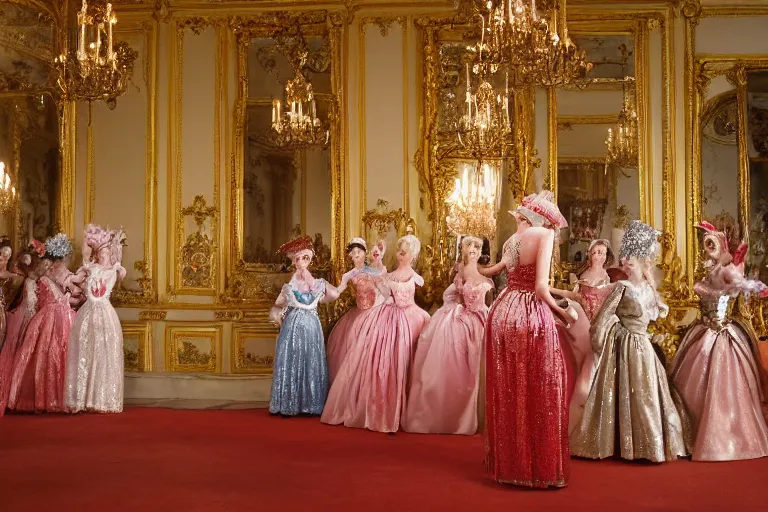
column 37, row 381
column 347, row 330
column 444, row 379
column 16, row 325
column 370, row 387
column 717, row 372
column 526, row 427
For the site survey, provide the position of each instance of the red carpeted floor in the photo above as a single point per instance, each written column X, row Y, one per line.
column 159, row 459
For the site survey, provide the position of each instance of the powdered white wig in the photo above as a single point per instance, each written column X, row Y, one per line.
column 411, row 244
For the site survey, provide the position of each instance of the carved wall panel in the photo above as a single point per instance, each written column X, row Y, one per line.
column 137, row 346
column 253, row 349
column 193, row 348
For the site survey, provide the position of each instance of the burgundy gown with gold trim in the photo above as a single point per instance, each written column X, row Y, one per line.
column 526, row 434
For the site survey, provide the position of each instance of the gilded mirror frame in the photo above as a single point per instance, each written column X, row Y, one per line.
column 255, row 282
column 66, row 113
column 704, row 69
column 638, row 28
column 642, row 22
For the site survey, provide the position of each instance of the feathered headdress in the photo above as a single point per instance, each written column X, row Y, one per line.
column 97, row 237
column 640, row 241
column 58, row 246
column 302, row 243
column 540, row 209
column 37, row 247
column 738, row 255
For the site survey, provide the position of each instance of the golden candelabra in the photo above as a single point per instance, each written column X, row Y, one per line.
column 473, row 204
column 622, row 141
column 8, row 194
column 98, row 68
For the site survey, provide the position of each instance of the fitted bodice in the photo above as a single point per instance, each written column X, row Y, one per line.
column 100, row 282
column 300, row 299
column 469, row 294
column 403, row 291
column 639, row 306
column 366, row 293
column 519, row 277
column 716, row 310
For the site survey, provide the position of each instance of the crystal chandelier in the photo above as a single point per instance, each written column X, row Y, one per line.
column 473, row 204
column 485, row 128
column 298, row 126
column 622, row 141
column 8, row 194
column 99, row 68
column 535, row 51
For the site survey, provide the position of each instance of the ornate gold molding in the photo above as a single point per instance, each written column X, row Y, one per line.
column 186, row 349
column 254, row 361
column 196, row 271
column 382, row 218
column 232, row 315
column 152, row 315
column 382, row 22
column 139, row 360
column 147, row 293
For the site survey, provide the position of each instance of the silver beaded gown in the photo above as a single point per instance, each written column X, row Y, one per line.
column 300, row 372
column 94, row 374
column 630, row 401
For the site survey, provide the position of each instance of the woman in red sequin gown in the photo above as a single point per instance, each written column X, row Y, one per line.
column 526, row 402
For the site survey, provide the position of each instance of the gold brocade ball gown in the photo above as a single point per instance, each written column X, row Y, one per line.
column 630, row 399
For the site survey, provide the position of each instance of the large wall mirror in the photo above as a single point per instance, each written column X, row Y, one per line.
column 598, row 195
column 281, row 188
column 757, row 160
column 719, row 140
column 29, row 123
column 287, row 190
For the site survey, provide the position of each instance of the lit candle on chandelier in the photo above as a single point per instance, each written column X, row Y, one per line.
column 468, row 95
column 81, row 44
column 110, row 22
column 274, row 111
column 99, row 28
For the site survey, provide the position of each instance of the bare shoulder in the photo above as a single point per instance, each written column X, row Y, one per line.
column 538, row 234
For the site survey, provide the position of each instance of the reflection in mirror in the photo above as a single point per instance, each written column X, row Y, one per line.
column 28, row 122
column 453, row 75
column 29, row 147
column 720, row 163
column 757, row 145
column 287, row 190
column 597, row 197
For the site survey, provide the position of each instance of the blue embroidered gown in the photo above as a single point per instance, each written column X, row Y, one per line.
column 300, row 373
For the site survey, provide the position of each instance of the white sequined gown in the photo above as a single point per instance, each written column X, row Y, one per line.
column 94, row 375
